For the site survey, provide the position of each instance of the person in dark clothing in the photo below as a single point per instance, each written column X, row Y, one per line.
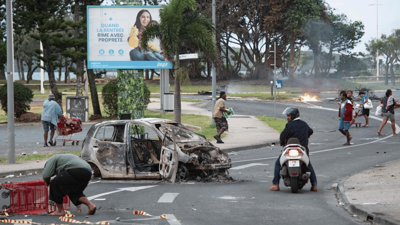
column 73, row 176
column 295, row 128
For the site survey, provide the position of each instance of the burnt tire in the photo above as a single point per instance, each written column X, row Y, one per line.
column 294, row 182
column 96, row 171
column 182, row 173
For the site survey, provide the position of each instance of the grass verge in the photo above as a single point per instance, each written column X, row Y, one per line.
column 275, row 123
column 204, row 122
column 34, row 157
column 265, row 96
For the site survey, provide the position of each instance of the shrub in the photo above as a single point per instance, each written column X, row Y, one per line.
column 110, row 98
column 22, row 98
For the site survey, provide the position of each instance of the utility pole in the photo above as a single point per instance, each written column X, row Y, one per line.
column 377, row 37
column 275, row 79
column 10, row 83
column 213, row 73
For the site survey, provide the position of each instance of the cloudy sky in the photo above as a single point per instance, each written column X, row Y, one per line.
column 389, row 16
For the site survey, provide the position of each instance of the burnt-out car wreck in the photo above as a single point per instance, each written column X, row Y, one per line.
column 151, row 149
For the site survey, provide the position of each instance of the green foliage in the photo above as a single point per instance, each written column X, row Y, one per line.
column 133, row 94
column 22, row 98
column 349, row 63
column 110, row 98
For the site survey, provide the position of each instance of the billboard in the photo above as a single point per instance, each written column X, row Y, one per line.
column 113, row 38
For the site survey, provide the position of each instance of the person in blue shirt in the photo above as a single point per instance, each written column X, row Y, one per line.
column 50, row 114
column 364, row 99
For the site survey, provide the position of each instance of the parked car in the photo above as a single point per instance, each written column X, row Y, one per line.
column 150, row 148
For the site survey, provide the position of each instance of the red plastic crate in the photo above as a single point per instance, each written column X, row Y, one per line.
column 30, row 197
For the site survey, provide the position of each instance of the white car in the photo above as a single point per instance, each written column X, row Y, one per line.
column 150, row 148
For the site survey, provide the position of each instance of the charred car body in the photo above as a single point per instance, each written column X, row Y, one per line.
column 150, row 149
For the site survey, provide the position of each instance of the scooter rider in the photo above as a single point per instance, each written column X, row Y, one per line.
column 295, row 128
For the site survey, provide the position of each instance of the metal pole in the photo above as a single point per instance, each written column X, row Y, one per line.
column 41, row 70
column 213, row 73
column 377, row 37
column 275, row 79
column 10, row 83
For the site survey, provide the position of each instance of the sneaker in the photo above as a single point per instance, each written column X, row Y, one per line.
column 220, row 142
column 45, row 145
column 51, row 143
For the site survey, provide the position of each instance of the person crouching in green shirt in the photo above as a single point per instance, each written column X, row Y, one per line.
column 73, row 176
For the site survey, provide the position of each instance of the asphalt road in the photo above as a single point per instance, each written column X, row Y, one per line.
column 248, row 199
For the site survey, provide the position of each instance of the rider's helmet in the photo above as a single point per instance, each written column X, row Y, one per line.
column 294, row 112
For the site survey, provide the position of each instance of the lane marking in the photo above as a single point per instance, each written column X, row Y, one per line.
column 172, row 220
column 99, row 199
column 332, row 149
column 248, row 165
column 120, row 190
column 167, row 197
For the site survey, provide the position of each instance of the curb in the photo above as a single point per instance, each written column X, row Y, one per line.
column 250, row 147
column 21, row 172
column 360, row 211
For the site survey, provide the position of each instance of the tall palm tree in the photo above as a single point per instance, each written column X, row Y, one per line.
column 181, row 28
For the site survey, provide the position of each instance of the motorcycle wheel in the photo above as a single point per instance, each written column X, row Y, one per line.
column 294, row 181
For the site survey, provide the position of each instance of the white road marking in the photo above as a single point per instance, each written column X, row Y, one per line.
column 172, row 219
column 121, row 189
column 248, row 165
column 371, row 203
column 167, row 197
column 100, row 199
column 332, row 149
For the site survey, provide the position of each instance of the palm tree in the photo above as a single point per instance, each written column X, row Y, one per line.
column 181, row 29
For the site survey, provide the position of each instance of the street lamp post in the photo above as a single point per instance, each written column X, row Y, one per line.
column 213, row 73
column 10, row 84
column 377, row 37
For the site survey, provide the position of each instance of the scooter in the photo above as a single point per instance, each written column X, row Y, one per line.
column 294, row 165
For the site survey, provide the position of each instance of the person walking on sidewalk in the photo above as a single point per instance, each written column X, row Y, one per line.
column 295, row 128
column 388, row 107
column 73, row 176
column 219, row 118
column 345, row 115
column 50, row 114
column 364, row 99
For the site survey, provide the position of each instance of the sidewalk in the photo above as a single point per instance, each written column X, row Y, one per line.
column 374, row 194
column 245, row 132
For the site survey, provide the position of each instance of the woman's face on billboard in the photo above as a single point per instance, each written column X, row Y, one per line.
column 144, row 19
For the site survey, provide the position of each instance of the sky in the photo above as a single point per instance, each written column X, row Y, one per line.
column 362, row 10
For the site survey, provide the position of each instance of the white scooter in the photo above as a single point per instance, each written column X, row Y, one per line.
column 294, row 165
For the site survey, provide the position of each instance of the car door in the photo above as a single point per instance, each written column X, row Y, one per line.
column 169, row 158
column 109, row 146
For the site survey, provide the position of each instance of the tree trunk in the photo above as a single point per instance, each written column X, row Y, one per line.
column 316, row 63
column 177, row 93
column 392, row 73
column 177, row 102
column 22, row 70
column 78, row 78
column 18, row 68
column 66, row 73
column 2, row 74
column 291, row 59
column 59, row 70
column 208, row 69
column 152, row 75
column 93, row 92
column 147, row 75
column 50, row 72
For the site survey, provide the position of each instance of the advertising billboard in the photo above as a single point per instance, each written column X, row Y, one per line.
column 113, row 38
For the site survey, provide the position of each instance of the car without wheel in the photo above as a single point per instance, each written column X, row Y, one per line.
column 150, row 148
